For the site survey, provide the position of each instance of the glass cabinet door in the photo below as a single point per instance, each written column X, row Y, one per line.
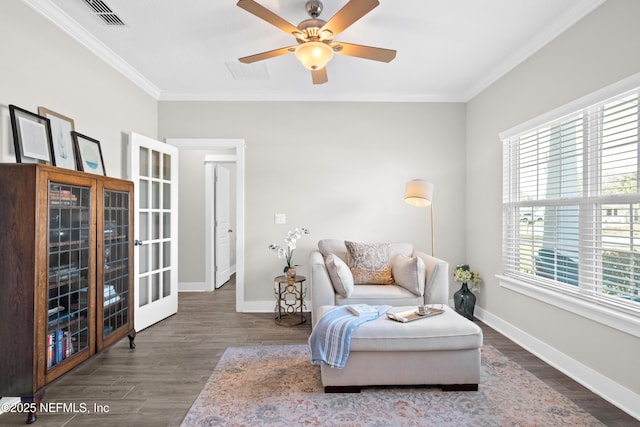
column 69, row 257
column 116, row 311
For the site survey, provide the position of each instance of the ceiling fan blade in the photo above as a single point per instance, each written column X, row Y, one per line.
column 263, row 13
column 319, row 76
column 349, row 14
column 366, row 52
column 266, row 55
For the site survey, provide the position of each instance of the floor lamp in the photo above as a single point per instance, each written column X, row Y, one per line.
column 419, row 193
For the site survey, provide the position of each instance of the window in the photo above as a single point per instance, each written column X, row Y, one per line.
column 571, row 204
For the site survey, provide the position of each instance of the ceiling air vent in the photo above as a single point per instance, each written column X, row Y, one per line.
column 104, row 12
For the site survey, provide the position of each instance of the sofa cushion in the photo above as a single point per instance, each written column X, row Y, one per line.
column 340, row 274
column 369, row 263
column 409, row 272
column 447, row 331
column 379, row 295
column 333, row 246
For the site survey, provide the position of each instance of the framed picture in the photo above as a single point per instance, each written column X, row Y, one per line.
column 31, row 137
column 63, row 147
column 89, row 154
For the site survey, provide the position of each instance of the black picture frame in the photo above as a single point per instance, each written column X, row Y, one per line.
column 31, row 137
column 89, row 154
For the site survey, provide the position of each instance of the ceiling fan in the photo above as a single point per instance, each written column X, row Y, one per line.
column 315, row 36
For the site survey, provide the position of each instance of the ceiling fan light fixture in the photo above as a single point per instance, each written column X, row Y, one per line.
column 314, row 55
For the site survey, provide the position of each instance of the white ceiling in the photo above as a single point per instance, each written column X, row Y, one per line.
column 448, row 50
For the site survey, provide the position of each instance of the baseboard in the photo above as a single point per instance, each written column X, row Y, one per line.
column 193, row 287
column 599, row 384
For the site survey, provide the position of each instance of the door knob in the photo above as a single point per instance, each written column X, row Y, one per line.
column 137, row 242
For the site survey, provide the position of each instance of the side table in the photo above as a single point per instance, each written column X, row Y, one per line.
column 289, row 300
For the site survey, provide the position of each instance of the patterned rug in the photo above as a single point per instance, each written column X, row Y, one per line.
column 278, row 386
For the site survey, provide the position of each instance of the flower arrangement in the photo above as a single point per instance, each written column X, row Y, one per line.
column 463, row 274
column 287, row 251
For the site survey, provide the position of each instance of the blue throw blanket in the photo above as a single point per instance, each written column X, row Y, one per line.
column 331, row 337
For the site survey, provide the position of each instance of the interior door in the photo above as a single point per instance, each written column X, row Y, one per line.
column 154, row 171
column 222, row 230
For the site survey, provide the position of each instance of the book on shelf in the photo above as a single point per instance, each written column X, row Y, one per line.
column 411, row 315
column 59, row 346
column 62, row 197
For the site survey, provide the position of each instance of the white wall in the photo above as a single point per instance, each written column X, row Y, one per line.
column 338, row 169
column 599, row 50
column 42, row 66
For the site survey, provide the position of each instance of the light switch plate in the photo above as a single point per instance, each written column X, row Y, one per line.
column 280, row 218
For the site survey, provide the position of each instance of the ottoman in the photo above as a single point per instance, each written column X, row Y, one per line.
column 442, row 350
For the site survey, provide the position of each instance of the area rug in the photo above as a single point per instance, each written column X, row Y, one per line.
column 278, row 386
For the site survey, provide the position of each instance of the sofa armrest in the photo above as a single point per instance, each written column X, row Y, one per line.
column 322, row 292
column 437, row 281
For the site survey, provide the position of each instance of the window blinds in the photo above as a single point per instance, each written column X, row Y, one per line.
column 571, row 203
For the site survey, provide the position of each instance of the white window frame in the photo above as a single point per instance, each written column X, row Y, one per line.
column 561, row 297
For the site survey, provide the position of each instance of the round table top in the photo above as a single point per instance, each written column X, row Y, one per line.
column 285, row 279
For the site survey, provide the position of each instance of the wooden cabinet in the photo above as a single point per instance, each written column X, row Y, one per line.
column 65, row 273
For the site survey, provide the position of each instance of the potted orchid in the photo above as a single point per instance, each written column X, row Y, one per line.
column 464, row 300
column 286, row 252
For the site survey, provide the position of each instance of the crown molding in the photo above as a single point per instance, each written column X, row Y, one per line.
column 555, row 28
column 63, row 21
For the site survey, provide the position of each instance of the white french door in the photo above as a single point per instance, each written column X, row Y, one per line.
column 154, row 171
column 222, row 227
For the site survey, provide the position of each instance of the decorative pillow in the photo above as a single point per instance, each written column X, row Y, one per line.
column 409, row 273
column 369, row 263
column 341, row 277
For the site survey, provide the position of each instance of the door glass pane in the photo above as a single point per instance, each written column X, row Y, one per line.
column 143, row 255
column 166, row 196
column 155, row 226
column 144, row 162
column 166, row 254
column 143, row 287
column 156, row 256
column 155, row 163
column 144, row 226
column 155, row 287
column 166, row 167
column 115, row 261
column 166, row 283
column 68, row 273
column 144, row 194
column 156, row 195
column 166, row 225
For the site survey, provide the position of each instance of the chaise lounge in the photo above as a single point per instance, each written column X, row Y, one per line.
column 442, row 350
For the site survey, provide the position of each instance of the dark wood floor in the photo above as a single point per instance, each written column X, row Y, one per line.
column 155, row 384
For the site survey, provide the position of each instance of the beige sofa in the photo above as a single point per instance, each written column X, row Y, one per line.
column 443, row 350
column 323, row 292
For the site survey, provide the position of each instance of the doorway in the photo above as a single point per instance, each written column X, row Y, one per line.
column 233, row 150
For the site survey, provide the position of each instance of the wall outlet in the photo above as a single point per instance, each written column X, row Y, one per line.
column 280, row 218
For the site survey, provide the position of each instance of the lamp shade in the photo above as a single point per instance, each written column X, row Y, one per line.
column 418, row 193
column 314, row 55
